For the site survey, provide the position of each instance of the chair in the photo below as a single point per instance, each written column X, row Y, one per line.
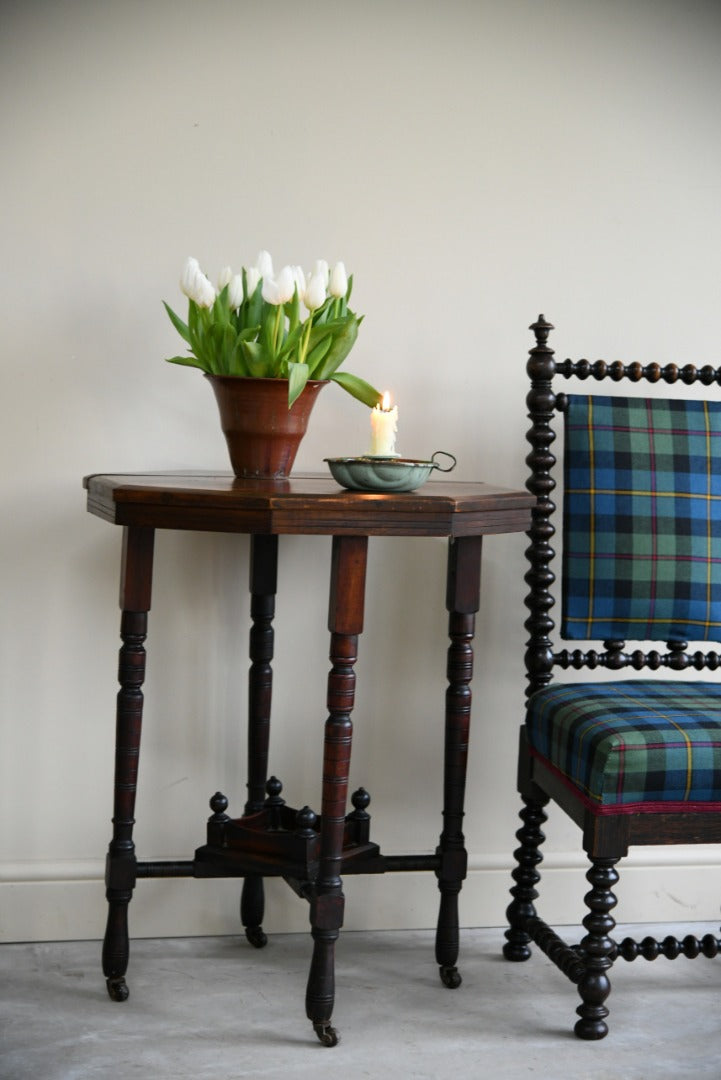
column 631, row 760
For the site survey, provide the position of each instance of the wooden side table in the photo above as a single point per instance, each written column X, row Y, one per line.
column 270, row 839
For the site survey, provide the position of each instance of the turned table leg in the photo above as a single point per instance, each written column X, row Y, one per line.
column 345, row 622
column 263, row 587
column 462, row 602
column 135, row 590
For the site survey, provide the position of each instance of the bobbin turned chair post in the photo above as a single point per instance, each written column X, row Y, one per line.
column 632, row 761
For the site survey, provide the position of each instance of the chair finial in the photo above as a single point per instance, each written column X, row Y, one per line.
column 541, row 328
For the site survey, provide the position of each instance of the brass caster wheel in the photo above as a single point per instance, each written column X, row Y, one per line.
column 327, row 1034
column 450, row 977
column 256, row 936
column 117, row 989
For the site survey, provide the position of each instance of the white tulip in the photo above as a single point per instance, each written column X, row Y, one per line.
column 269, row 292
column 264, row 264
column 252, row 277
column 205, row 293
column 338, row 280
column 195, row 284
column 315, row 291
column 286, row 284
column 224, row 278
column 321, row 267
column 189, row 276
column 235, row 291
column 279, row 290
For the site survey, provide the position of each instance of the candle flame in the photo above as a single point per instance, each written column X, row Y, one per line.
column 386, row 406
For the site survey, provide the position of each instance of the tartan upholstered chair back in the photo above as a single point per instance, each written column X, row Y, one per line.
column 632, row 760
column 641, row 528
column 641, row 519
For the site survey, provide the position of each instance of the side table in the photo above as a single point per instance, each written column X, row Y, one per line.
column 310, row 852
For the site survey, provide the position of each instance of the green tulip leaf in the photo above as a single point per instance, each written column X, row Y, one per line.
column 249, row 334
column 343, row 341
column 226, row 348
column 357, row 388
column 315, row 356
column 254, row 358
column 320, row 315
column 290, row 343
column 195, row 329
column 235, row 361
column 178, row 323
column 254, row 304
column 185, row 361
column 292, row 310
column 297, row 378
column 268, row 330
column 210, row 348
column 221, row 307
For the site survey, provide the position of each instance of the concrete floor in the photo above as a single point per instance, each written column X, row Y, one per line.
column 217, row 1008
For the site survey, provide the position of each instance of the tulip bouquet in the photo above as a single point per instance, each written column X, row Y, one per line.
column 258, row 324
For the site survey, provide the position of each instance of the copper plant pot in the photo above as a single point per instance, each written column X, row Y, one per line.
column 262, row 433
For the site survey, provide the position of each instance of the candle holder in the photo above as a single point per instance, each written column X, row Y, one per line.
column 386, row 473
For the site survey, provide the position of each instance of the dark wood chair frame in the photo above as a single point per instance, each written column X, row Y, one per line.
column 606, row 839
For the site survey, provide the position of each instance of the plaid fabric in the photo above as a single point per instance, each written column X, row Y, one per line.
column 641, row 743
column 642, row 519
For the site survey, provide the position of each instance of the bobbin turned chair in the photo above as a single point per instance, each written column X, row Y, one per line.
column 631, row 760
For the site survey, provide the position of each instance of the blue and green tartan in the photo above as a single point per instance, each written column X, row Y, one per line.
column 643, row 744
column 642, row 519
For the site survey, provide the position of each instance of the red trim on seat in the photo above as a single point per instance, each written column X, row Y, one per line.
column 604, row 810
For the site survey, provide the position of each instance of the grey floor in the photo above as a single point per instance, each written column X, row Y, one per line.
column 217, row 1008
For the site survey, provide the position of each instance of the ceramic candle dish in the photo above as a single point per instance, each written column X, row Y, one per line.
column 385, row 473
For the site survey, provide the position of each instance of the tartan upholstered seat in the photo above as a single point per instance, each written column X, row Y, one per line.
column 638, row 744
column 631, row 759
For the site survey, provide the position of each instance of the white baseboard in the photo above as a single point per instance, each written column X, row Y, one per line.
column 64, row 901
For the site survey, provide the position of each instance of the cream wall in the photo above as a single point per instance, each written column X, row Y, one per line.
column 474, row 163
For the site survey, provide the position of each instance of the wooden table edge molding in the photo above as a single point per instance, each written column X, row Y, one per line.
column 307, row 503
column 310, row 852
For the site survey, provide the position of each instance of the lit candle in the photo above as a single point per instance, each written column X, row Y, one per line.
column 384, row 424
